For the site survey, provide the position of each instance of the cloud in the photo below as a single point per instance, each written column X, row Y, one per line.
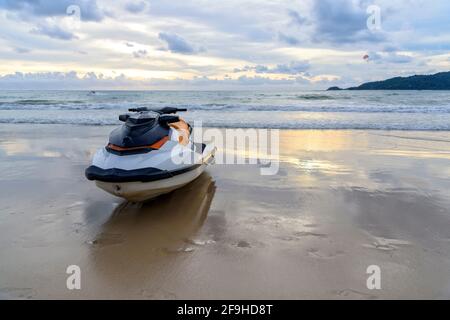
column 89, row 10
column 136, row 7
column 140, row 53
column 389, row 57
column 90, row 81
column 342, row 21
column 390, row 48
column 398, row 58
column 22, row 50
column 257, row 80
column 292, row 68
column 175, row 43
column 53, row 31
column 331, row 34
column 60, row 80
column 296, row 18
column 249, row 22
column 293, row 41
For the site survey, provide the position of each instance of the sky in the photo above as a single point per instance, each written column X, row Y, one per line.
column 215, row 45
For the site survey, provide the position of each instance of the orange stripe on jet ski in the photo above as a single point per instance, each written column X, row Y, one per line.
column 160, row 143
column 156, row 145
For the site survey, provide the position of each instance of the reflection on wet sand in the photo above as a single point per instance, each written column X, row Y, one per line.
column 139, row 235
column 341, row 201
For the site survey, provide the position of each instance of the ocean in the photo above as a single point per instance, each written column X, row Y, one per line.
column 377, row 110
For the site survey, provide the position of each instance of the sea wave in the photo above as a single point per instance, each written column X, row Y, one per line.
column 318, row 97
column 238, row 109
column 316, row 107
column 40, row 102
column 122, row 107
column 410, row 126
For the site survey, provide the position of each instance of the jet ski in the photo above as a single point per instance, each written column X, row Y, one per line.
column 152, row 153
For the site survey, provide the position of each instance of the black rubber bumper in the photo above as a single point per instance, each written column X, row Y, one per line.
column 141, row 175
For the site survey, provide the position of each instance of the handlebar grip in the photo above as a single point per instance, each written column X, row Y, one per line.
column 138, row 109
column 165, row 110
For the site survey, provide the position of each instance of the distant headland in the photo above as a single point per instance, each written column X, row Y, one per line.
column 438, row 81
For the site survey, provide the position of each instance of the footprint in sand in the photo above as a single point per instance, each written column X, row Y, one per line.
column 315, row 253
column 160, row 295
column 107, row 239
column 385, row 244
column 300, row 234
column 354, row 294
column 197, row 242
column 46, row 218
column 17, row 293
column 310, row 234
column 77, row 226
column 175, row 250
column 243, row 244
column 75, row 204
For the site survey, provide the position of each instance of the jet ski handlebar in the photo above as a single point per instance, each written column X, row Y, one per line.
column 165, row 110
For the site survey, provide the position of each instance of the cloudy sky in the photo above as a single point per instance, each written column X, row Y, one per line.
column 229, row 44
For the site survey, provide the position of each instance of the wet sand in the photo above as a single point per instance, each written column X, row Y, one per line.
column 343, row 200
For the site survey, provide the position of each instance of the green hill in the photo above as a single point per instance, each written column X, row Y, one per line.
column 438, row 81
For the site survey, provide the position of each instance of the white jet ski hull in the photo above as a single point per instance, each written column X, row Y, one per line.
column 138, row 191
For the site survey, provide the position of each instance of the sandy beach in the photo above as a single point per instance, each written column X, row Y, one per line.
column 342, row 200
